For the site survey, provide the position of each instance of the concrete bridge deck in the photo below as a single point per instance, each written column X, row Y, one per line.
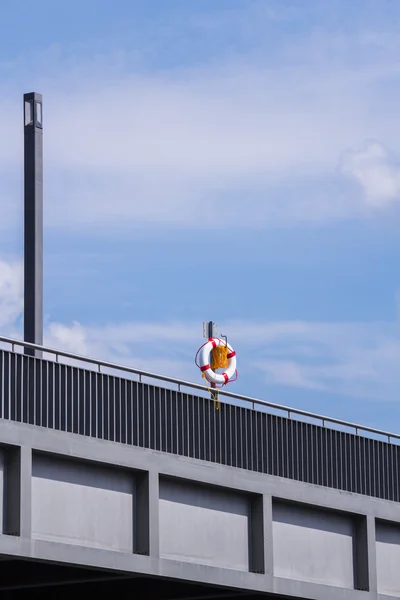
column 104, row 476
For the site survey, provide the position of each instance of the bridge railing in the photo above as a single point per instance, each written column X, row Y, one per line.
column 100, row 366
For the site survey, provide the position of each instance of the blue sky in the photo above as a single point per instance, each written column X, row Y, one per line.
column 227, row 160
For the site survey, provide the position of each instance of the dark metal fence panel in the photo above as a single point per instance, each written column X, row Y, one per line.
column 72, row 399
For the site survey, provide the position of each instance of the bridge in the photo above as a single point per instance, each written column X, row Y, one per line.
column 120, row 481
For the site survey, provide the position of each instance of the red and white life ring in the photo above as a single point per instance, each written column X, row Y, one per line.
column 204, row 362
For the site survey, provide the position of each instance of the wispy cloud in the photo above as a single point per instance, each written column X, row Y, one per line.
column 351, row 359
column 11, row 292
column 359, row 360
column 376, row 171
column 124, row 145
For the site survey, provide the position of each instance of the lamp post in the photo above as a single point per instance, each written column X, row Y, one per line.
column 33, row 221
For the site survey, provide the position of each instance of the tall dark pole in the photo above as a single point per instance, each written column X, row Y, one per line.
column 33, row 221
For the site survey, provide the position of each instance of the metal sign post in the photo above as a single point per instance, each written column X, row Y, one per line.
column 209, row 329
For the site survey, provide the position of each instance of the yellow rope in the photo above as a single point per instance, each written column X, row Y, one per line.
column 214, row 397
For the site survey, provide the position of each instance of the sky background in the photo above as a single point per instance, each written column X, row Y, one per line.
column 233, row 160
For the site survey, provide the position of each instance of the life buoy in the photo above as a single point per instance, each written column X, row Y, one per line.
column 204, row 362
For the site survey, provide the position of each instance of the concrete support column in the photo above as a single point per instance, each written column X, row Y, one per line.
column 147, row 515
column 18, row 500
column 257, row 558
column 268, row 535
column 365, row 554
column 154, row 515
column 371, row 553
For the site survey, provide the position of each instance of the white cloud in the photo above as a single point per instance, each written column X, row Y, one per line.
column 11, row 292
column 126, row 145
column 142, row 346
column 377, row 172
column 354, row 359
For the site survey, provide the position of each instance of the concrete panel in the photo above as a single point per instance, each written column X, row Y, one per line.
column 312, row 545
column 83, row 504
column 388, row 558
column 203, row 525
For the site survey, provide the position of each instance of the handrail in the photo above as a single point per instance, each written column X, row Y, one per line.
column 187, row 384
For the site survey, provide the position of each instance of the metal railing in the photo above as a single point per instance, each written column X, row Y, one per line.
column 255, row 403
